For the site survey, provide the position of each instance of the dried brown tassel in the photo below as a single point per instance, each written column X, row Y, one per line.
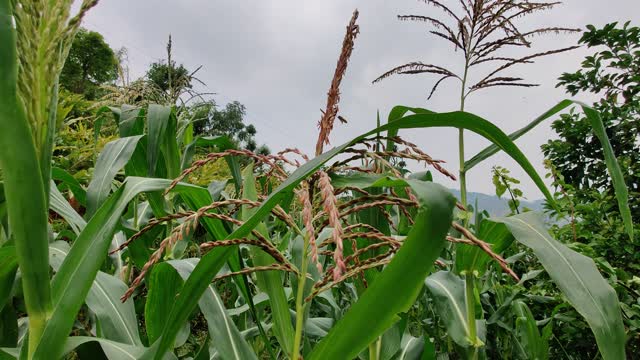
column 307, row 218
column 333, row 97
column 330, row 204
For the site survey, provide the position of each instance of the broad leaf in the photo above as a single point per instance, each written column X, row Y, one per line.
column 117, row 319
column 157, row 122
column 579, row 280
column 448, row 292
column 163, row 285
column 613, row 167
column 61, row 206
column 72, row 282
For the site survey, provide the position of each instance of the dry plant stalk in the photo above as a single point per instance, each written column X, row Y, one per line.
column 269, row 160
column 272, row 267
column 483, row 246
column 333, row 97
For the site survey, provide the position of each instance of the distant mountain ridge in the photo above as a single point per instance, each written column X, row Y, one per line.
column 497, row 206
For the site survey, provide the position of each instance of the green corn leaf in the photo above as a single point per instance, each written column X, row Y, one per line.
column 8, row 268
column 472, row 258
column 229, row 342
column 492, row 149
column 157, row 123
column 117, row 319
column 534, row 346
column 112, row 349
column 71, row 183
column 376, row 311
column 220, row 143
column 24, row 189
column 448, row 292
column 411, row 348
column 61, row 206
column 169, row 147
column 113, row 157
column 213, row 261
column 163, row 285
column 130, row 120
column 613, row 167
column 579, row 280
column 72, row 282
column 617, row 178
column 269, row 281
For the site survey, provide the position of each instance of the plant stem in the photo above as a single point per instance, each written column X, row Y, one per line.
column 23, row 188
column 471, row 311
column 463, row 171
column 372, row 351
column 375, row 349
column 300, row 304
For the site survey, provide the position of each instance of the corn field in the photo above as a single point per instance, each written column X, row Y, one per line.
column 334, row 255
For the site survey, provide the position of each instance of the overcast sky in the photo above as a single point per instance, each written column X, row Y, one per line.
column 277, row 57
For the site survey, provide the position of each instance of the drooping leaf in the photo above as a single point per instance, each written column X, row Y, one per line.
column 617, row 178
column 61, row 206
column 579, row 280
column 71, row 183
column 72, row 282
column 448, row 293
column 492, row 149
column 613, row 167
column 117, row 319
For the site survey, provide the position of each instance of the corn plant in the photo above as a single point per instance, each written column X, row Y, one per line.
column 481, row 30
column 337, row 247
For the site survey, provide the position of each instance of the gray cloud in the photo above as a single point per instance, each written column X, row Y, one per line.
column 277, row 57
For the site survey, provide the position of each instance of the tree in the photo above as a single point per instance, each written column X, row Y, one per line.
column 158, row 73
column 613, row 73
column 91, row 63
column 577, row 164
column 208, row 119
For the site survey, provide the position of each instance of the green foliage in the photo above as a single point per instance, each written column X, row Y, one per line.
column 91, row 63
column 181, row 78
column 592, row 223
column 324, row 262
column 209, row 119
column 505, row 182
column 612, row 72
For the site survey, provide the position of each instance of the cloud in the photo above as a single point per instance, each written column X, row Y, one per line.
column 278, row 56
